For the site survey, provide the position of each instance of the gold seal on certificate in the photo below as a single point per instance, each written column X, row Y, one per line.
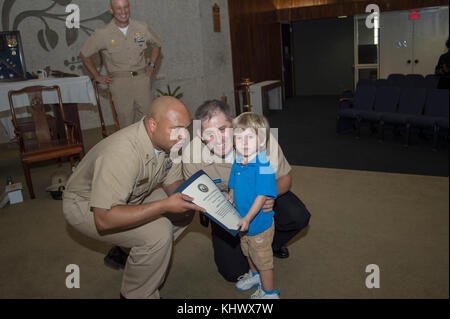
column 207, row 195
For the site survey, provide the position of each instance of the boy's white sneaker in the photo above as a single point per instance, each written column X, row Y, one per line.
column 248, row 281
column 261, row 294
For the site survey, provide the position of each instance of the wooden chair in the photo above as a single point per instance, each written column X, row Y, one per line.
column 50, row 142
column 100, row 113
column 111, row 102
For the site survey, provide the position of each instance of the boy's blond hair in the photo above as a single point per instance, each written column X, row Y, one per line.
column 256, row 122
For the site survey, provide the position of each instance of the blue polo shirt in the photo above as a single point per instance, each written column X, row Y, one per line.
column 255, row 178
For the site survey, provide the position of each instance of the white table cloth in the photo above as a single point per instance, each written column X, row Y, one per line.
column 73, row 90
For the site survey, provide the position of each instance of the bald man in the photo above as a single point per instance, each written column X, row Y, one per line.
column 118, row 195
column 123, row 43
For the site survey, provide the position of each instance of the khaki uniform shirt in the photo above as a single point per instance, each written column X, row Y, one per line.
column 122, row 169
column 218, row 169
column 122, row 53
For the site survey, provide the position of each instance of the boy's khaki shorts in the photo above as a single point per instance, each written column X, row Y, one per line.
column 259, row 248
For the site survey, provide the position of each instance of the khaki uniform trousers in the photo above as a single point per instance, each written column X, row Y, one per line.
column 132, row 97
column 151, row 244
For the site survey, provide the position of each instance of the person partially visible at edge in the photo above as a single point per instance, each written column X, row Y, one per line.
column 442, row 69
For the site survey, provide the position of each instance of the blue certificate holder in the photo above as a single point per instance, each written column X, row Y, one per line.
column 207, row 195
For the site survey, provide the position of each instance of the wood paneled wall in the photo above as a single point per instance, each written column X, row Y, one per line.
column 292, row 10
column 255, row 41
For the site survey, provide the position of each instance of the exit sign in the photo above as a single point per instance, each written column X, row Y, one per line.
column 414, row 14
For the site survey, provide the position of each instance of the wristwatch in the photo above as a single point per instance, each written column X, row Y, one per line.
column 152, row 65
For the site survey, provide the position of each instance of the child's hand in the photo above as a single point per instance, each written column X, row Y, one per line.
column 229, row 197
column 244, row 223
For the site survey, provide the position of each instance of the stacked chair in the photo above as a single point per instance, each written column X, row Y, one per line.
column 431, row 81
column 403, row 101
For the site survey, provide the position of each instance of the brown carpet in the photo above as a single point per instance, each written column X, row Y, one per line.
column 399, row 222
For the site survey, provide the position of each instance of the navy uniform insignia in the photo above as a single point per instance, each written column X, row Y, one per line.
column 139, row 39
column 167, row 164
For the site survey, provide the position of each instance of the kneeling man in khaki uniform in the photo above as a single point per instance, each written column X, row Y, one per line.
column 114, row 195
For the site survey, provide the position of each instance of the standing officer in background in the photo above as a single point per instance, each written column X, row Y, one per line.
column 115, row 195
column 123, row 43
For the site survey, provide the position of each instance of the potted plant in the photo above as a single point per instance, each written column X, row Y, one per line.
column 170, row 93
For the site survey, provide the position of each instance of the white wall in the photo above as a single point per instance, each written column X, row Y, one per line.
column 193, row 56
column 423, row 40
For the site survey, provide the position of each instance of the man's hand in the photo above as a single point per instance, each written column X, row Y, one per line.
column 268, row 205
column 103, row 79
column 284, row 183
column 89, row 64
column 148, row 70
column 179, row 203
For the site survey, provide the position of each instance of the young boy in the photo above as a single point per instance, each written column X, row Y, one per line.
column 252, row 180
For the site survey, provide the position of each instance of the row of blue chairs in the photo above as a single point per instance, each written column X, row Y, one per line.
column 407, row 107
column 429, row 81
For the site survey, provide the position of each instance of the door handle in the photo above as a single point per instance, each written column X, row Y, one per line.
column 409, row 61
column 416, row 61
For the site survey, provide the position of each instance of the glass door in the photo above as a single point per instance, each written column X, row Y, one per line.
column 366, row 39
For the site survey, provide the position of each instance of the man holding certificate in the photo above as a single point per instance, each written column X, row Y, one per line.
column 211, row 151
column 216, row 160
column 115, row 195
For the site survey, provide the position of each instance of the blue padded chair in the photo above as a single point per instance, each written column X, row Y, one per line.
column 362, row 82
column 396, row 79
column 442, row 122
column 431, row 81
column 386, row 101
column 382, row 82
column 348, row 93
column 415, row 81
column 411, row 103
column 435, row 113
column 363, row 101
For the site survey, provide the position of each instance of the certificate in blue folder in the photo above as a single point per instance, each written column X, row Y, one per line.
column 207, row 195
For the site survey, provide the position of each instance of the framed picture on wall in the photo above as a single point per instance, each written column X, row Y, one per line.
column 12, row 63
